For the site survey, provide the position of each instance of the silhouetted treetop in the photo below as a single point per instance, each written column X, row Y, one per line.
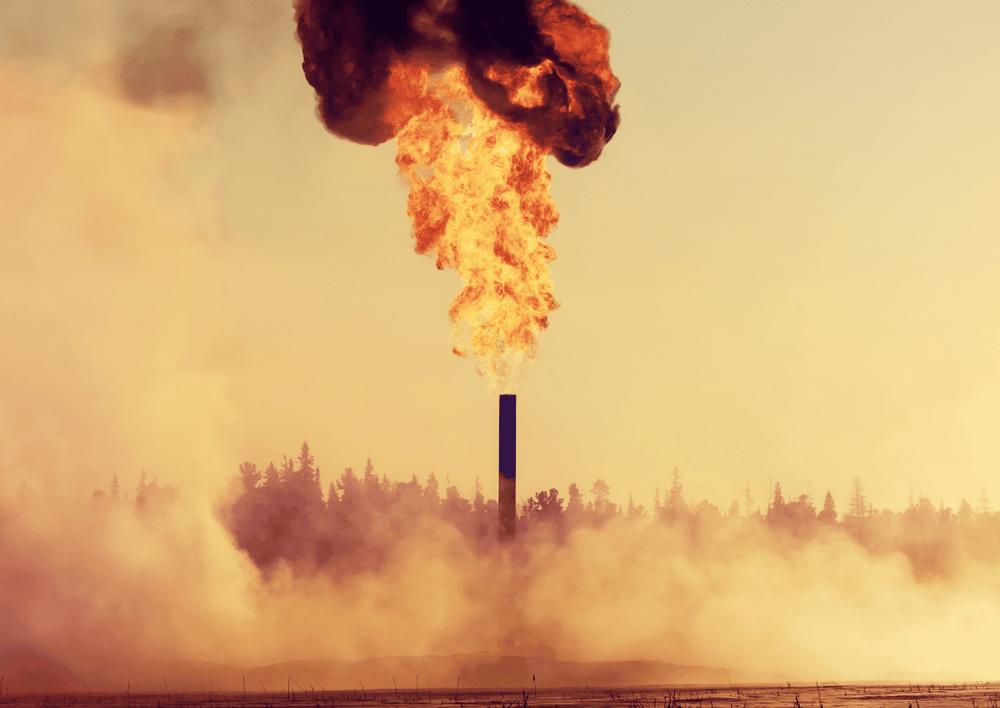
column 283, row 516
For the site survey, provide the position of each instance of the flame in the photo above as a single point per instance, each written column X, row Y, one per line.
column 479, row 198
column 523, row 81
column 476, row 94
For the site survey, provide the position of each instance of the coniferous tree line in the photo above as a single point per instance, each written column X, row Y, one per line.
column 282, row 513
column 148, row 495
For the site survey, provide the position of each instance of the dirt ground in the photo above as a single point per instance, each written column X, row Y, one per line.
column 980, row 695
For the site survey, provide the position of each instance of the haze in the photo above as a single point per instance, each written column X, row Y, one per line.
column 783, row 268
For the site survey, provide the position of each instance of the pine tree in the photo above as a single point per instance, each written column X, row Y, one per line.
column 554, row 505
column 349, row 488
column 675, row 498
column 965, row 513
column 574, row 508
column 776, row 510
column 478, row 500
column 306, row 462
column 287, row 473
column 602, row 493
column 272, row 480
column 778, row 501
column 456, row 508
column 983, row 508
column 858, row 504
column 431, row 497
column 373, row 487
column 829, row 513
column 249, row 476
column 306, row 476
column 674, row 509
column 634, row 512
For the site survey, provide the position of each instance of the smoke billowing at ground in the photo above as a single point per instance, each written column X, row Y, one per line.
column 478, row 94
column 175, row 297
column 279, row 571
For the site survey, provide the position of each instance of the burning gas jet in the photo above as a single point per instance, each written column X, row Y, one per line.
column 477, row 93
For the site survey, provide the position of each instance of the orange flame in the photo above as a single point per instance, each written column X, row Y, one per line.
column 477, row 94
column 479, row 198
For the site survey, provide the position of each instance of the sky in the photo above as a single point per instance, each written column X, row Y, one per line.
column 781, row 269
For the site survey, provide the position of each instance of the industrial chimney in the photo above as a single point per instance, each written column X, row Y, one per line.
column 506, row 499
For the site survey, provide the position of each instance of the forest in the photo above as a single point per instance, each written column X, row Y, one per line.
column 282, row 514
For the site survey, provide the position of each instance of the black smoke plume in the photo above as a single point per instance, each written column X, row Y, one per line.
column 350, row 46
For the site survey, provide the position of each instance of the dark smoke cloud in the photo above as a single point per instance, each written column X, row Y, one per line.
column 167, row 54
column 164, row 64
column 350, row 46
column 187, row 50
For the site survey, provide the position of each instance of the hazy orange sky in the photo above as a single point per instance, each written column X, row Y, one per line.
column 783, row 267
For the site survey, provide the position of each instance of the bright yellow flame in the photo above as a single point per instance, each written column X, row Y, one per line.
column 479, row 197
